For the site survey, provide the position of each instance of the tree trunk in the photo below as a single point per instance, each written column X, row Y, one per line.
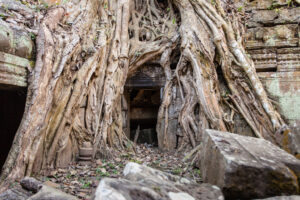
column 87, row 49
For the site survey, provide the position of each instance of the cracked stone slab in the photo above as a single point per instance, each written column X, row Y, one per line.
column 247, row 167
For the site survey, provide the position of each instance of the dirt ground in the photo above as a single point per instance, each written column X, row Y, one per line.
column 82, row 180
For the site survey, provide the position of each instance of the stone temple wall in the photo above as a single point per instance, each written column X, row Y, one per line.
column 273, row 41
column 16, row 49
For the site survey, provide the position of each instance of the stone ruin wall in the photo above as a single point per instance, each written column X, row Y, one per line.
column 16, row 49
column 273, row 41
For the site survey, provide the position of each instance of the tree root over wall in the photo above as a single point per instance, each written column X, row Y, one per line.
column 85, row 52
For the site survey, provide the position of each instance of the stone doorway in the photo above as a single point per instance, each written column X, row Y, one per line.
column 144, row 106
column 12, row 104
column 142, row 99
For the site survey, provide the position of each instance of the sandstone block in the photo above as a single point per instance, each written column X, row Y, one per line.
column 246, row 167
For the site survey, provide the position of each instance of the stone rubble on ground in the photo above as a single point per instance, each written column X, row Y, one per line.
column 142, row 182
column 247, row 167
column 237, row 166
column 33, row 189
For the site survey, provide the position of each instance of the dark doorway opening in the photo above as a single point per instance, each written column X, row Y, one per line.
column 12, row 104
column 144, row 106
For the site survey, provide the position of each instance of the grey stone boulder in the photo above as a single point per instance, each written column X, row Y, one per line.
column 32, row 189
column 50, row 193
column 145, row 183
column 15, row 194
column 246, row 167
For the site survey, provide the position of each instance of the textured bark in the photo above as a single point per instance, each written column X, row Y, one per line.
column 87, row 49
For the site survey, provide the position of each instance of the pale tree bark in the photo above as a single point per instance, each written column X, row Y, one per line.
column 87, row 49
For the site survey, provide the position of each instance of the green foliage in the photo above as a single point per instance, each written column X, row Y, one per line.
column 126, row 155
column 273, row 5
column 68, row 176
column 32, row 64
column 85, row 184
column 174, row 21
column 121, row 165
column 45, row 5
column 240, row 9
column 12, row 185
column 136, row 161
column 101, row 173
column 197, row 171
column 32, row 36
column 177, row 171
column 110, row 165
column 156, row 188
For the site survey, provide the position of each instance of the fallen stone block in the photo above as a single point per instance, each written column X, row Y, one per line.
column 50, row 193
column 246, row 167
column 31, row 184
column 144, row 183
column 15, row 194
column 33, row 189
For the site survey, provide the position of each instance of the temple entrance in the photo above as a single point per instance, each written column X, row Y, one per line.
column 12, row 104
column 143, row 98
column 144, row 105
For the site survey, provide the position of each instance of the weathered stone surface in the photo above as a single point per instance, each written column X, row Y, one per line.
column 16, row 42
column 31, row 184
column 13, row 70
column 281, row 60
column 16, row 48
column 275, row 36
column 264, row 59
column 49, row 193
column 274, row 17
column 264, row 4
column 15, row 194
column 148, row 76
column 33, row 189
column 284, row 87
column 246, row 167
column 288, row 59
column 144, row 183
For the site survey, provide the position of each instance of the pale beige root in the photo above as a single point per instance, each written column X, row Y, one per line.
column 197, row 75
column 153, row 37
column 73, row 62
column 116, row 74
column 248, row 95
column 247, row 91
